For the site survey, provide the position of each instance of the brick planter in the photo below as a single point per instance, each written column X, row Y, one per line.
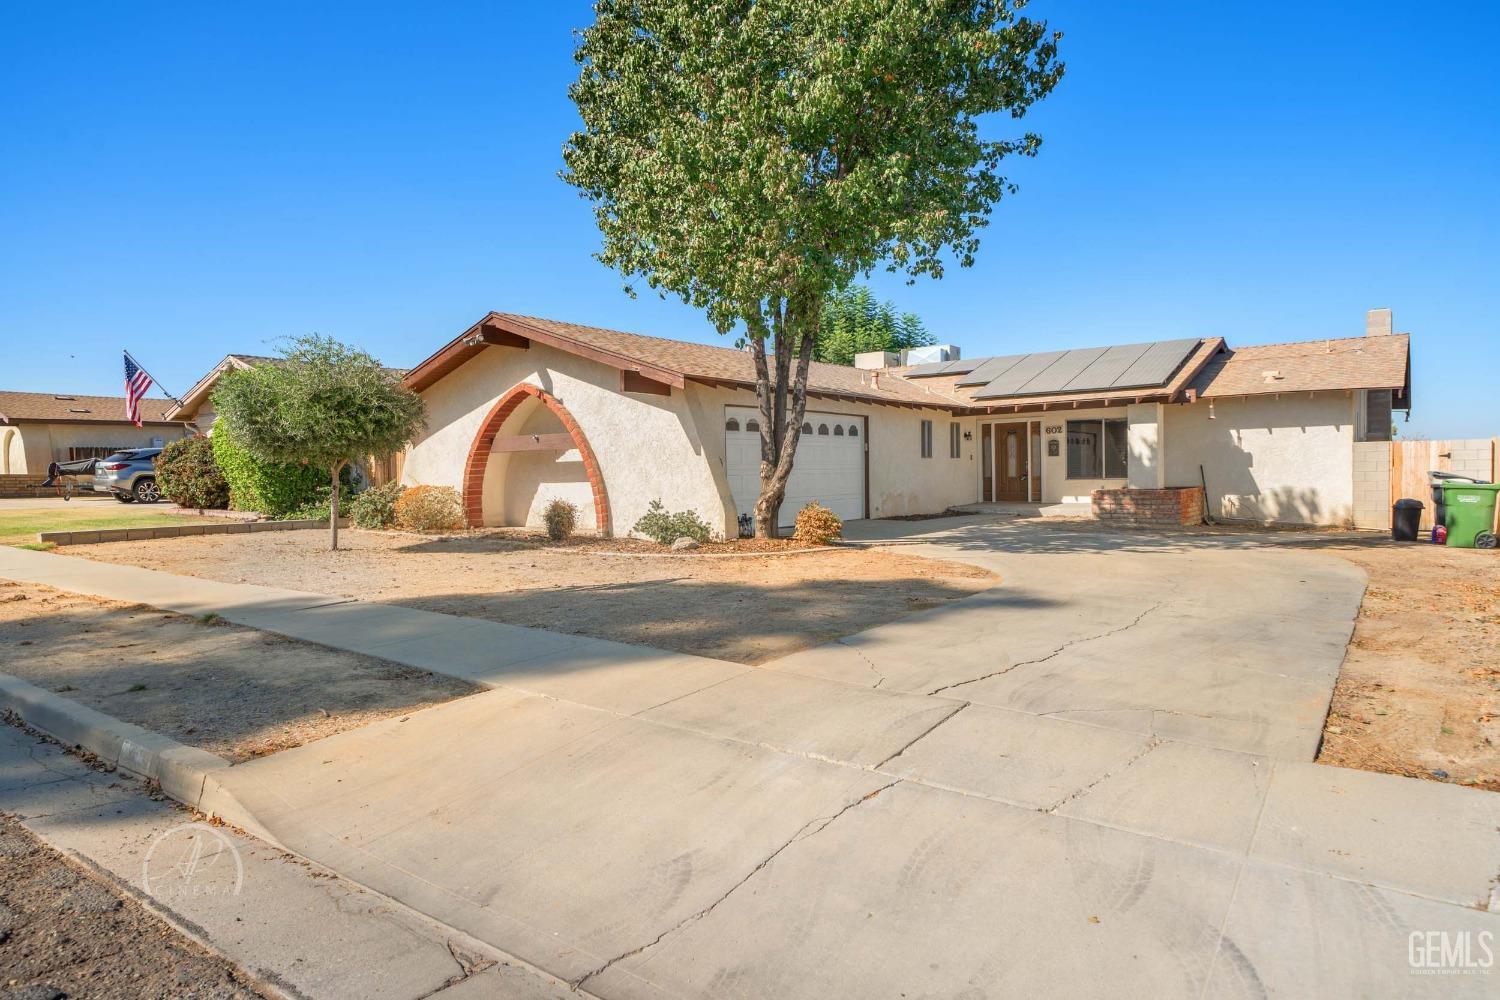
column 1172, row 507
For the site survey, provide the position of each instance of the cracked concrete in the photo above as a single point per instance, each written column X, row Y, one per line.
column 1056, row 652
column 821, row 823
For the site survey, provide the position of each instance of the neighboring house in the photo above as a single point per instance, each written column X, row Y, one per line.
column 197, row 406
column 522, row 410
column 197, row 410
column 39, row 428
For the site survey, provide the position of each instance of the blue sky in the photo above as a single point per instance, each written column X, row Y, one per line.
column 192, row 180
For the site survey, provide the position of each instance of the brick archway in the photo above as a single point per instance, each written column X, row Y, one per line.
column 479, row 453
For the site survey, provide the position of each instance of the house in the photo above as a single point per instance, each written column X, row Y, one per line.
column 39, row 428
column 522, row 410
column 196, row 409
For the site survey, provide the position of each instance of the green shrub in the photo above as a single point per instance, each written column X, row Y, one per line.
column 665, row 528
column 817, row 525
column 317, row 509
column 375, row 508
column 189, row 476
column 561, row 517
column 271, row 488
column 430, row 508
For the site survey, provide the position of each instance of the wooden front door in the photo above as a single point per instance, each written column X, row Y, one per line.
column 1012, row 462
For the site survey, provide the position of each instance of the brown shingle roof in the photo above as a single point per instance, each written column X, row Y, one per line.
column 46, row 407
column 1380, row 362
column 671, row 360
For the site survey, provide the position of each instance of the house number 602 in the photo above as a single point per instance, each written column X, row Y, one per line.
column 1054, row 430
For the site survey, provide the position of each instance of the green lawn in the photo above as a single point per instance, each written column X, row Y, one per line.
column 17, row 527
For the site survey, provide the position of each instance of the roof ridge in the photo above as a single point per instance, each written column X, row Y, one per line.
column 1317, row 340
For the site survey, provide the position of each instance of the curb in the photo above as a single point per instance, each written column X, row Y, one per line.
column 185, row 774
column 178, row 531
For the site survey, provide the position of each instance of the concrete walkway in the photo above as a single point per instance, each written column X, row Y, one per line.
column 1094, row 779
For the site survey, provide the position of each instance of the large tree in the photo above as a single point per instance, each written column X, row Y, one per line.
column 754, row 156
column 854, row 322
column 322, row 403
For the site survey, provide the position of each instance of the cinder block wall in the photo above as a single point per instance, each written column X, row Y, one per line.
column 1472, row 458
column 1372, row 484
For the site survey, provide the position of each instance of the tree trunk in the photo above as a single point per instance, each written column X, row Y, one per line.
column 781, row 424
column 333, row 509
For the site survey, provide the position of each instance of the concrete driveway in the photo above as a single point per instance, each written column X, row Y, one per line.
column 1095, row 779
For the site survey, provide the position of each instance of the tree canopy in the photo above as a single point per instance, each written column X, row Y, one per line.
column 322, row 403
column 754, row 157
column 853, row 322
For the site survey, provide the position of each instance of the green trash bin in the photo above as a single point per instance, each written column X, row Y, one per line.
column 1469, row 513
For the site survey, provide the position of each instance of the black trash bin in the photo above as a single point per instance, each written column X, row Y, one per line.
column 1406, row 520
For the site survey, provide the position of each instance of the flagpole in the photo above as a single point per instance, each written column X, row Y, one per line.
column 153, row 379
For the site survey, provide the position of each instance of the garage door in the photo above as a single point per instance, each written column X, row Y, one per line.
column 829, row 466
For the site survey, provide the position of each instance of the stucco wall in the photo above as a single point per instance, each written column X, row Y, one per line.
column 1287, row 460
column 647, row 446
column 35, row 446
column 901, row 480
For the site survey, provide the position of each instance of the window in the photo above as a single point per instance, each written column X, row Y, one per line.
column 750, row 425
column 1097, row 449
column 838, row 432
column 822, row 429
column 853, row 430
column 806, row 429
column 729, row 425
column 927, row 439
column 955, row 439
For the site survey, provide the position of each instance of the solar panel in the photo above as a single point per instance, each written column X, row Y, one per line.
column 1018, row 375
column 992, row 368
column 1157, row 365
column 932, row 368
column 1057, row 375
column 1113, row 363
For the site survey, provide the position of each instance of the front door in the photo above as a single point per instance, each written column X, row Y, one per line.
column 1012, row 462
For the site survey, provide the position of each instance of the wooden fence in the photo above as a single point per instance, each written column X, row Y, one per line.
column 1411, row 461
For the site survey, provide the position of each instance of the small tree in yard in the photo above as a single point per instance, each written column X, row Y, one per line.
column 754, row 158
column 324, row 404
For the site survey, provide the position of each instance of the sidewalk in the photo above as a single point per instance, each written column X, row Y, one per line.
column 294, row 927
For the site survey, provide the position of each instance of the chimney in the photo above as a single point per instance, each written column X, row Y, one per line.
column 1378, row 323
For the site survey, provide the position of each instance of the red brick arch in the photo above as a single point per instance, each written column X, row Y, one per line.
column 479, row 453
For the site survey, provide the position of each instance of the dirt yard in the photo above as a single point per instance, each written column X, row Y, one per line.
column 65, row 933
column 748, row 609
column 1419, row 693
column 233, row 691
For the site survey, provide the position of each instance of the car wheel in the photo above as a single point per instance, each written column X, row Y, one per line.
column 124, row 498
column 146, row 491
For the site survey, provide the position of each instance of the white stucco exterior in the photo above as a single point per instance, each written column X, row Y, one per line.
column 1286, row 459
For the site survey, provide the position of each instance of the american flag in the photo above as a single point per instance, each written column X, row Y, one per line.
column 136, row 384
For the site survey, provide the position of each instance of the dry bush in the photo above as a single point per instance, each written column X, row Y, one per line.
column 817, row 525
column 561, row 517
column 429, row 508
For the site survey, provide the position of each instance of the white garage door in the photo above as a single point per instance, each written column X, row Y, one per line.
column 829, row 466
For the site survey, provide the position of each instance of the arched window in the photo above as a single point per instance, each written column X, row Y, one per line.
column 807, row 428
column 854, row 430
column 838, row 430
column 731, row 424
column 822, row 428
column 752, row 425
